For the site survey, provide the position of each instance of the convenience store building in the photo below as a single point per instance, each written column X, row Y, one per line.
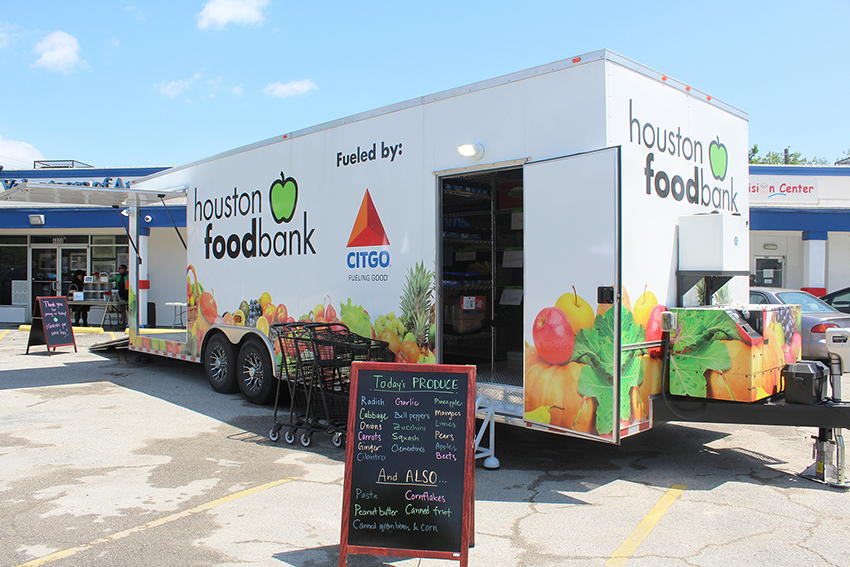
column 41, row 245
column 800, row 226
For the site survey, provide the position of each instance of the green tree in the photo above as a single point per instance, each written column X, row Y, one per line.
column 794, row 158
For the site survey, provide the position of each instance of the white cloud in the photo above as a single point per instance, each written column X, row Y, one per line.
column 293, row 88
column 6, row 32
column 18, row 155
column 60, row 52
column 174, row 88
column 136, row 13
column 238, row 90
column 218, row 13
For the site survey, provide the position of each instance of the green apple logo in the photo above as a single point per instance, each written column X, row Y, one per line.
column 283, row 195
column 718, row 158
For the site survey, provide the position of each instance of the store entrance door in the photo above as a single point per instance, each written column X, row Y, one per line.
column 53, row 268
column 769, row 271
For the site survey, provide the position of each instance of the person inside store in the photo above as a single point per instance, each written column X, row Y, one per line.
column 80, row 311
column 119, row 281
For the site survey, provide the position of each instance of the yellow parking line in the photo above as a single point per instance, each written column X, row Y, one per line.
column 629, row 546
column 3, row 334
column 167, row 519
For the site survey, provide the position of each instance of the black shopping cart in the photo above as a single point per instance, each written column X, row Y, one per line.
column 315, row 366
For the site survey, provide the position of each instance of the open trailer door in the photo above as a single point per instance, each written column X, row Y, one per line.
column 572, row 249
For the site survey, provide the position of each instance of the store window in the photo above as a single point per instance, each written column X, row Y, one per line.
column 13, row 268
column 108, row 252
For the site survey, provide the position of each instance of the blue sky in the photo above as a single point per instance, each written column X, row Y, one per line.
column 155, row 83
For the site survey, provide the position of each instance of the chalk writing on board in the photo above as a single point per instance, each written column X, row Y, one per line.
column 408, row 445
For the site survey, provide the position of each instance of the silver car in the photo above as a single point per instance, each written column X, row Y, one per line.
column 816, row 316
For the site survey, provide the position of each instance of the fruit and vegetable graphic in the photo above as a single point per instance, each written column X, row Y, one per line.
column 569, row 368
column 553, row 336
column 713, row 356
column 410, row 336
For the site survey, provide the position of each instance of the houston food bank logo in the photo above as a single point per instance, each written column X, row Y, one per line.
column 282, row 201
column 368, row 232
column 696, row 189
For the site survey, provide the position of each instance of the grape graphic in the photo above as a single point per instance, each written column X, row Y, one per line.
column 788, row 320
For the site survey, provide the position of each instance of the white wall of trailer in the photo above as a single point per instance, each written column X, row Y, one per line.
column 535, row 115
column 166, row 264
column 669, row 131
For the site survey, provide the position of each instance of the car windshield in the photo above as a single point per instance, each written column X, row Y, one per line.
column 808, row 303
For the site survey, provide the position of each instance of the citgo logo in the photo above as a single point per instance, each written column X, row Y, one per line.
column 368, row 231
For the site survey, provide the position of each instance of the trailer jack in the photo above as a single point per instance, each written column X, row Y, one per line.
column 828, row 452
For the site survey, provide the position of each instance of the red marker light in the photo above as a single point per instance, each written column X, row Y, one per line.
column 576, row 59
column 663, row 77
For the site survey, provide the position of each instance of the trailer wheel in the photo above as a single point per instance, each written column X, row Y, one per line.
column 255, row 373
column 220, row 365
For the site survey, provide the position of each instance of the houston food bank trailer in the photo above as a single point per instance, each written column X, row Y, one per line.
column 504, row 196
column 535, row 225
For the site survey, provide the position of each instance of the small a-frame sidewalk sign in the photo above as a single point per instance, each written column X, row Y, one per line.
column 51, row 324
column 409, row 462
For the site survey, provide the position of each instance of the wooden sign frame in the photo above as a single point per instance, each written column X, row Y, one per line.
column 41, row 329
column 396, row 382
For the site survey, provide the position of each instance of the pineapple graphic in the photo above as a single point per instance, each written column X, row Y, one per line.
column 417, row 315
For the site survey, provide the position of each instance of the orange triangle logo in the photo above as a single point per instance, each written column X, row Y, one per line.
column 368, row 230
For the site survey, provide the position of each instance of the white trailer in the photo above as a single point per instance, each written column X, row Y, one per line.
column 560, row 187
column 528, row 224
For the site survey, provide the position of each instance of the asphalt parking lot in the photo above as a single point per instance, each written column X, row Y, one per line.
column 106, row 460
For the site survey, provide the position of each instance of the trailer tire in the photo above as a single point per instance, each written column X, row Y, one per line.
column 255, row 374
column 220, row 365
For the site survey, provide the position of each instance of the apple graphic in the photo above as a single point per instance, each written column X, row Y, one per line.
column 270, row 312
column 718, row 158
column 643, row 307
column 553, row 336
column 578, row 311
column 653, row 329
column 283, row 195
column 282, row 313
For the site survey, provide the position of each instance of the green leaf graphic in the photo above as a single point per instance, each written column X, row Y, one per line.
column 687, row 369
column 593, row 383
column 630, row 375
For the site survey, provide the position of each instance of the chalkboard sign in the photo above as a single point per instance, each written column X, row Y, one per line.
column 409, row 461
column 51, row 324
